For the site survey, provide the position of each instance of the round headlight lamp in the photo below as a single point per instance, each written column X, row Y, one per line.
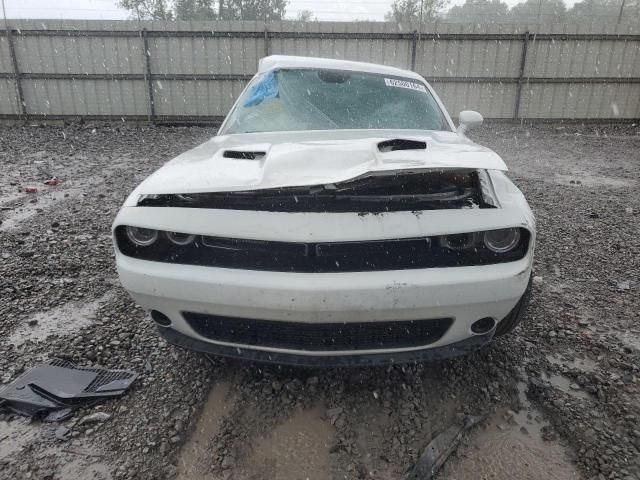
column 503, row 240
column 459, row 241
column 180, row 238
column 142, row 237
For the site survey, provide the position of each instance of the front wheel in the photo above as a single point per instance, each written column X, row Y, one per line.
column 514, row 317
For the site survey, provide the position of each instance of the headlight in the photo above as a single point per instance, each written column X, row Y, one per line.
column 503, row 240
column 143, row 237
column 180, row 238
column 460, row 241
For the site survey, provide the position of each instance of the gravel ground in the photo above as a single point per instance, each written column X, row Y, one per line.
column 560, row 397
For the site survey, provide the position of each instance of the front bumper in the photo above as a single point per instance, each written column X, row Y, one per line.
column 352, row 360
column 464, row 294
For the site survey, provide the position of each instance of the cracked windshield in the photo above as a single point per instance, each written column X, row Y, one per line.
column 309, row 240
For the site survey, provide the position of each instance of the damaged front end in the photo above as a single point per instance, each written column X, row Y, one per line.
column 464, row 190
column 372, row 193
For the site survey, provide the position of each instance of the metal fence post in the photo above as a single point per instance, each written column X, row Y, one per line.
column 147, row 55
column 266, row 41
column 414, row 48
column 523, row 65
column 16, row 74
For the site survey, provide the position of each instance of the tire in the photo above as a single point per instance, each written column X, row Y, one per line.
column 514, row 317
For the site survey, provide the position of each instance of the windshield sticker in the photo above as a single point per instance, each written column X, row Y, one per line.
column 266, row 88
column 392, row 82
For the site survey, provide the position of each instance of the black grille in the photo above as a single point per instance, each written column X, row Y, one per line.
column 105, row 381
column 318, row 336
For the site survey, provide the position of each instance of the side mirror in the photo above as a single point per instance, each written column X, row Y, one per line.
column 469, row 119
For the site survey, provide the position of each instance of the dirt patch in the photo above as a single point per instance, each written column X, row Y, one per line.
column 34, row 204
column 631, row 339
column 565, row 385
column 194, row 460
column 84, row 465
column 370, row 430
column 59, row 321
column 14, row 436
column 299, row 448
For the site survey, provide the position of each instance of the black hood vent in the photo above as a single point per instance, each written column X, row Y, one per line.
column 401, row 144
column 243, row 155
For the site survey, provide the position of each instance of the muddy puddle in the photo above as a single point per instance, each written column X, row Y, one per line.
column 583, row 364
column 68, row 462
column 566, row 385
column 282, row 454
column 58, row 321
column 371, row 436
column 296, row 449
column 194, row 459
column 510, row 446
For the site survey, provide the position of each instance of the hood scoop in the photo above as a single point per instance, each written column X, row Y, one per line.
column 244, row 154
column 401, row 144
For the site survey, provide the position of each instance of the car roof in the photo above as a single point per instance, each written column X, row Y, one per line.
column 289, row 61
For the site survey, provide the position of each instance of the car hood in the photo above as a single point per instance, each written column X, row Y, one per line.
column 286, row 159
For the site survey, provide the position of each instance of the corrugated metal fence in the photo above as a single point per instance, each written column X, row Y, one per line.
column 193, row 71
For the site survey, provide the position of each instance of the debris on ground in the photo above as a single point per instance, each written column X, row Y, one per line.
column 95, row 418
column 44, row 167
column 52, row 182
column 31, row 189
column 623, row 285
column 439, row 449
column 59, row 385
column 61, row 432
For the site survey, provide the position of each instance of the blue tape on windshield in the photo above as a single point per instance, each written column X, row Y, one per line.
column 263, row 90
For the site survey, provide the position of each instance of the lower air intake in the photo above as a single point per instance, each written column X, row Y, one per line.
column 318, row 336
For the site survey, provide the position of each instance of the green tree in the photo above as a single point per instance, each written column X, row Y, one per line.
column 606, row 10
column 148, row 9
column 306, row 16
column 206, row 9
column 533, row 11
column 266, row 10
column 478, row 11
column 405, row 11
column 195, row 10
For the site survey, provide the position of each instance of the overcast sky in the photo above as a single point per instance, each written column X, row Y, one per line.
column 108, row 9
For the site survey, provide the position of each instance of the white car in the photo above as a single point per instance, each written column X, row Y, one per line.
column 338, row 218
